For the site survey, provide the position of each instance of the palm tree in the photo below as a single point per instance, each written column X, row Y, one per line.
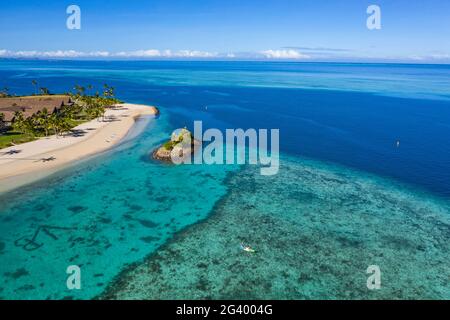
column 89, row 112
column 44, row 91
column 73, row 111
column 35, row 84
column 101, row 110
column 18, row 122
column 65, row 124
column 59, row 124
column 4, row 92
column 105, row 90
column 53, row 123
column 67, row 111
column 108, row 91
column 80, row 90
column 96, row 107
column 42, row 120
column 22, row 125
column 2, row 121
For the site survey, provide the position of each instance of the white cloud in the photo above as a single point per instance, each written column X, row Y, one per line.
column 193, row 54
column 154, row 53
column 58, row 54
column 52, row 54
column 101, row 54
column 284, row 54
column 139, row 54
column 271, row 54
column 150, row 53
column 167, row 54
column 431, row 57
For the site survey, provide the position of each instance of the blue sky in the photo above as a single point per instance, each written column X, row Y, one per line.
column 335, row 30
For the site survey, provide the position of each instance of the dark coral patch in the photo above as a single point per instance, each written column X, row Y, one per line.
column 147, row 223
column 149, row 239
column 77, row 209
column 17, row 274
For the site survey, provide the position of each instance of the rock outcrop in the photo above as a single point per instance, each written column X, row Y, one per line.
column 180, row 146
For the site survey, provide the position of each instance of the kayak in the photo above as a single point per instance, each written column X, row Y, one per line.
column 247, row 249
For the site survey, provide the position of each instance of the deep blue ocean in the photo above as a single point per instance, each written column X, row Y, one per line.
column 351, row 114
column 389, row 123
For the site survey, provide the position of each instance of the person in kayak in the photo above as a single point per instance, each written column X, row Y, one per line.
column 246, row 248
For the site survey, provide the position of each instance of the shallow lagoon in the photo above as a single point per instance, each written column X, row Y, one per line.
column 315, row 228
column 101, row 215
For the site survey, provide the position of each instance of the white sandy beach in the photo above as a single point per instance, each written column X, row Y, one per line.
column 34, row 160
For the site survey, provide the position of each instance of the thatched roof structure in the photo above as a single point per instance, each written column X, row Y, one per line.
column 31, row 104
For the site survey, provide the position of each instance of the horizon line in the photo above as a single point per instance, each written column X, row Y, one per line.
column 310, row 61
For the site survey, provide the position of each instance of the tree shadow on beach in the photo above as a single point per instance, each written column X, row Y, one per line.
column 77, row 133
column 11, row 152
column 111, row 119
column 46, row 159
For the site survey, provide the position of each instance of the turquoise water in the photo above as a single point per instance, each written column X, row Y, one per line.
column 345, row 197
column 315, row 228
column 114, row 209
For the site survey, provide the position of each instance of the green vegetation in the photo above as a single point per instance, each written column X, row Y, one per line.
column 35, row 84
column 44, row 91
column 4, row 92
column 169, row 145
column 43, row 123
column 12, row 138
column 2, row 122
column 176, row 139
